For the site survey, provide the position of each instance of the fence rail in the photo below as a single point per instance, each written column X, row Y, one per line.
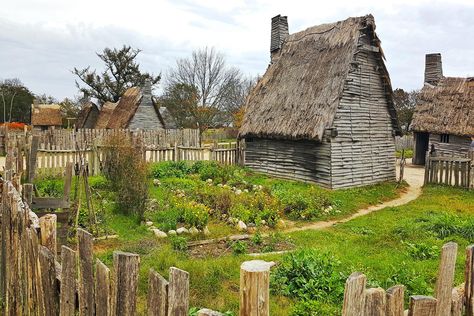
column 451, row 171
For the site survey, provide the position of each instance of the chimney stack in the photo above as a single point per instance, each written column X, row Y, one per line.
column 433, row 69
column 279, row 33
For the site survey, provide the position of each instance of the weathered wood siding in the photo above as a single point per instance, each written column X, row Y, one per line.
column 363, row 152
column 298, row 160
column 145, row 118
column 458, row 146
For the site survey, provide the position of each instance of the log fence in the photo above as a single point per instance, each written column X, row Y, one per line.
column 452, row 171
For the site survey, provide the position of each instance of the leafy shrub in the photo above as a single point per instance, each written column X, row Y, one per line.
column 300, row 203
column 257, row 238
column 169, row 219
column 170, row 169
column 218, row 199
column 195, row 214
column 185, row 184
column 309, row 275
column 422, row 251
column 314, row 308
column 98, row 182
column 405, row 274
column 126, row 171
column 239, row 247
column 179, row 243
column 51, row 187
column 207, row 170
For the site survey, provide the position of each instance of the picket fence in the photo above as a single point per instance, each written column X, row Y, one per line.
column 451, row 171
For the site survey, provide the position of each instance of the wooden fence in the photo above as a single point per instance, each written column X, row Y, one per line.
column 36, row 281
column 404, row 142
column 451, row 171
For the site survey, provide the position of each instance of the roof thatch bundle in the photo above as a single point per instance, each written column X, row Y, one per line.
column 298, row 96
column 447, row 108
column 105, row 114
column 126, row 108
column 86, row 114
column 46, row 115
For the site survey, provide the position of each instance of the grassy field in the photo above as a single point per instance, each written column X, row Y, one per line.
column 391, row 246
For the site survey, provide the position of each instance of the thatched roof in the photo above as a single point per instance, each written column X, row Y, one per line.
column 46, row 115
column 104, row 115
column 86, row 116
column 298, row 96
column 125, row 109
column 447, row 108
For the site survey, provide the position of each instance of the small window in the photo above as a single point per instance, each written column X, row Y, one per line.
column 444, row 138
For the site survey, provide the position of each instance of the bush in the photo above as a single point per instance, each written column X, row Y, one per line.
column 126, row 172
column 422, row 251
column 239, row 247
column 179, row 243
column 170, row 169
column 195, row 214
column 169, row 219
column 309, row 275
column 407, row 275
column 50, row 187
column 300, row 203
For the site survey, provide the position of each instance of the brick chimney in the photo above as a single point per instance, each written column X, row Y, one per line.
column 279, row 33
column 433, row 69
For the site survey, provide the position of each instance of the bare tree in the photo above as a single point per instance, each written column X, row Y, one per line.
column 405, row 103
column 216, row 83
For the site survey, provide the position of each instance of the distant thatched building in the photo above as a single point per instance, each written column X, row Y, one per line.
column 87, row 117
column 323, row 112
column 46, row 116
column 444, row 116
column 136, row 109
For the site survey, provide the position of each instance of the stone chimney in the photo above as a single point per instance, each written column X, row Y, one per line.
column 146, row 93
column 433, row 69
column 279, row 33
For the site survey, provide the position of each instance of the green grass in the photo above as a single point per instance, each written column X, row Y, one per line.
column 374, row 244
column 408, row 153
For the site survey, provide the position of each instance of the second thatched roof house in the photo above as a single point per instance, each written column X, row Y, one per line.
column 444, row 116
column 323, row 112
column 46, row 116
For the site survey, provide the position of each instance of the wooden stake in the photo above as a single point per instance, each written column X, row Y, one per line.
column 444, row 283
column 395, row 301
column 422, row 306
column 469, row 281
column 157, row 294
column 255, row 288
column 102, row 289
column 48, row 232
column 126, row 282
column 48, row 281
column 86, row 272
column 178, row 292
column 68, row 282
column 354, row 295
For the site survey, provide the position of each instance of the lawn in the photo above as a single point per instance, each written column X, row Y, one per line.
column 394, row 245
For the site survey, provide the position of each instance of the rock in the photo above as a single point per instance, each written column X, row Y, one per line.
column 281, row 224
column 209, row 180
column 172, row 232
column 219, row 185
column 246, row 190
column 160, row 234
column 182, row 230
column 149, row 223
column 251, row 225
column 156, row 182
column 251, row 230
column 238, row 192
column 151, row 228
column 241, row 226
column 193, row 231
column 263, row 222
column 206, row 231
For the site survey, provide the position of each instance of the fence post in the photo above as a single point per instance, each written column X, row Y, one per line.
column 421, row 305
column 375, row 302
column 68, row 282
column 255, row 288
column 49, row 283
column 457, row 302
column 102, row 289
column 178, row 292
column 444, row 283
column 354, row 295
column 126, row 283
column 48, row 232
column 395, row 305
column 28, row 193
column 86, row 272
column 469, row 280
column 157, row 294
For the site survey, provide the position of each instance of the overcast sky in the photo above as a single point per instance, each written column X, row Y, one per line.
column 41, row 41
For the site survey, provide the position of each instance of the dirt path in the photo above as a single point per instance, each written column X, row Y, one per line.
column 414, row 176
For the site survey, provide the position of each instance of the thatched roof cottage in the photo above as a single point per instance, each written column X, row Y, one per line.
column 87, row 117
column 46, row 116
column 444, row 115
column 323, row 112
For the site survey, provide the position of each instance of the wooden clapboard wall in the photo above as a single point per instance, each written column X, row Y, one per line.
column 363, row 152
column 458, row 146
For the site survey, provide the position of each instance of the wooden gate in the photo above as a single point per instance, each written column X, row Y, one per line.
column 449, row 171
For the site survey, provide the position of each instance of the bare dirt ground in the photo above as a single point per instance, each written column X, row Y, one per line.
column 414, row 176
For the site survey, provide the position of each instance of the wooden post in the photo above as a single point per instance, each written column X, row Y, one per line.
column 375, row 302
column 444, row 283
column 48, row 232
column 157, row 294
column 126, row 283
column 67, row 181
column 102, row 289
column 354, row 295
column 395, row 301
column 48, row 281
column 33, row 152
column 255, row 288
column 422, row 306
column 469, row 281
column 68, row 282
column 86, row 272
column 178, row 292
column 28, row 193
column 457, row 303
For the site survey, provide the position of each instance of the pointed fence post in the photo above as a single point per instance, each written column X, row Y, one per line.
column 444, row 283
column 469, row 281
column 86, row 272
column 126, row 283
column 68, row 282
column 354, row 295
column 178, row 292
column 421, row 305
column 48, row 232
column 157, row 294
column 395, row 296
column 375, row 302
